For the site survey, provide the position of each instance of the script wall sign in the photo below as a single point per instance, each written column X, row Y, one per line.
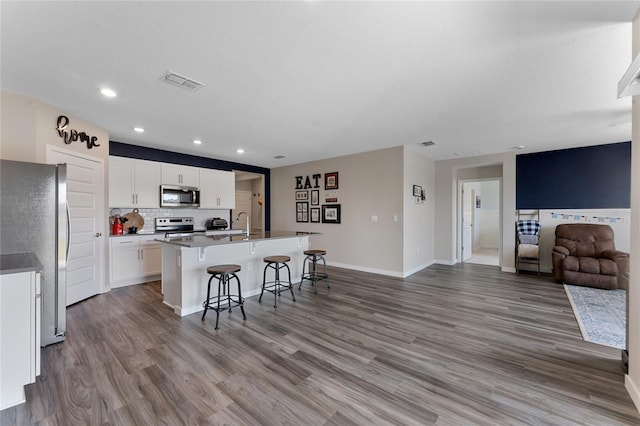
column 72, row 135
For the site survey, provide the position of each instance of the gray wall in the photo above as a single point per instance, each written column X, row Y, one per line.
column 370, row 184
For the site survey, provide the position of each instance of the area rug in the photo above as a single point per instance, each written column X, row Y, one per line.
column 601, row 314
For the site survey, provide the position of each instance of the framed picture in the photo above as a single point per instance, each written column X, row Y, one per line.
column 331, row 213
column 302, row 211
column 315, row 214
column 302, row 195
column 315, row 197
column 331, row 181
column 417, row 191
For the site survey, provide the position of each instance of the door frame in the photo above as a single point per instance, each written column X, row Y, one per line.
column 460, row 213
column 101, row 214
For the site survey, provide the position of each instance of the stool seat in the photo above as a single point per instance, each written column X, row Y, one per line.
column 315, row 252
column 277, row 259
column 276, row 286
column 224, row 301
column 223, row 269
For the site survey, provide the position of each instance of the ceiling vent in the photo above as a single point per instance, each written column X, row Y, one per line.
column 427, row 143
column 181, row 81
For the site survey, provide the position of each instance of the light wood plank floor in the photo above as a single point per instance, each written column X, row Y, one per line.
column 450, row 345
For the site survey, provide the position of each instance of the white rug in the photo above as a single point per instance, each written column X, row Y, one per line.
column 601, row 314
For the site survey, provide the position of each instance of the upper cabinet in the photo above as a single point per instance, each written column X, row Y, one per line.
column 217, row 189
column 133, row 183
column 174, row 174
column 136, row 183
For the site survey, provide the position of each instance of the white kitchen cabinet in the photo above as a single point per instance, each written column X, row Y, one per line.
column 174, row 174
column 133, row 183
column 217, row 189
column 19, row 335
column 134, row 260
column 150, row 256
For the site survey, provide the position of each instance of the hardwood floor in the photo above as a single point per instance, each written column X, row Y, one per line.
column 449, row 345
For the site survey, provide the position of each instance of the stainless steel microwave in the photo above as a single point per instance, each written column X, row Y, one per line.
column 179, row 196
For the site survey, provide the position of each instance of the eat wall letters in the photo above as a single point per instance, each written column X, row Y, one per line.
column 307, row 182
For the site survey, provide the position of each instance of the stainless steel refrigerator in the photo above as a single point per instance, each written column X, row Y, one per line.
column 34, row 219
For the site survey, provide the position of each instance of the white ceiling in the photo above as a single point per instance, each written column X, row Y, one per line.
column 318, row 79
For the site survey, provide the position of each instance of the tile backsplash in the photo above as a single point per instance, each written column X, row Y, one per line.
column 200, row 216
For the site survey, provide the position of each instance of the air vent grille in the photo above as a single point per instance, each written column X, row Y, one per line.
column 181, row 81
column 427, row 143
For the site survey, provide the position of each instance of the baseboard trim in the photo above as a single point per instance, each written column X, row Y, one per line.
column 417, row 269
column 365, row 269
column 445, row 262
column 508, row 269
column 634, row 393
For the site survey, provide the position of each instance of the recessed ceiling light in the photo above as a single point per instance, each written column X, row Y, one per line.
column 108, row 92
column 240, row 151
column 197, row 141
column 518, row 147
column 138, row 129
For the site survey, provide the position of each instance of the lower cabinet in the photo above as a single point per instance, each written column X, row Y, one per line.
column 19, row 335
column 134, row 260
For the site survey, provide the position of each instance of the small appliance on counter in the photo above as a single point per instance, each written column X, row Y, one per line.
column 216, row 224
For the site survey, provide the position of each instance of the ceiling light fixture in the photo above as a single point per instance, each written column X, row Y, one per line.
column 197, row 141
column 240, row 151
column 138, row 129
column 108, row 92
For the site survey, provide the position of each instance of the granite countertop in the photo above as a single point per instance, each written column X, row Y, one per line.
column 21, row 262
column 145, row 233
column 214, row 240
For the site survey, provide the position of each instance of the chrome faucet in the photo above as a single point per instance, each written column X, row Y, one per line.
column 238, row 220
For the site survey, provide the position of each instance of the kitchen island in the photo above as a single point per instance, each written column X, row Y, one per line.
column 185, row 261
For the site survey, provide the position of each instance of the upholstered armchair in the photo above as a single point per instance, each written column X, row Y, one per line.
column 585, row 254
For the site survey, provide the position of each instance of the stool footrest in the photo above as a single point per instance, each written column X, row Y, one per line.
column 224, row 300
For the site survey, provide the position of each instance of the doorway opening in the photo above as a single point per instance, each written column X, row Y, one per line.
column 249, row 199
column 480, row 220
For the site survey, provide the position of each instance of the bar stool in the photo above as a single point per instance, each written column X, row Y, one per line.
column 223, row 273
column 276, row 286
column 313, row 275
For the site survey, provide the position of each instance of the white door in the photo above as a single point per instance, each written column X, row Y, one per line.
column 467, row 223
column 85, row 195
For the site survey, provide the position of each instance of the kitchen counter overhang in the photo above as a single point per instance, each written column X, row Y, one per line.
column 185, row 261
column 213, row 240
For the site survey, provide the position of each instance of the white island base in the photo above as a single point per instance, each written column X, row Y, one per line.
column 185, row 262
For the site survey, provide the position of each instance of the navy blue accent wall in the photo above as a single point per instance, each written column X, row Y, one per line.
column 143, row 153
column 593, row 177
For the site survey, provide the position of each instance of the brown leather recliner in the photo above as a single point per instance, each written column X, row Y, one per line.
column 585, row 254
